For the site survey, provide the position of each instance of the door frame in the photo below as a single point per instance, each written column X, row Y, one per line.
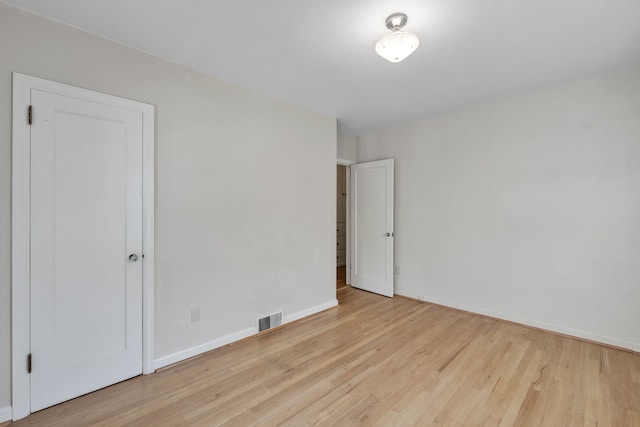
column 347, row 164
column 21, row 227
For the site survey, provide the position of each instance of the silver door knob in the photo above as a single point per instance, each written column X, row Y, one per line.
column 133, row 257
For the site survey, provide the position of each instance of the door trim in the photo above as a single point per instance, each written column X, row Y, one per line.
column 344, row 162
column 21, row 227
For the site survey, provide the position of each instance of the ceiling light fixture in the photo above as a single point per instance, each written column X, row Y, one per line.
column 399, row 44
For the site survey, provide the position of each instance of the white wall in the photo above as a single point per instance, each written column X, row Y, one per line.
column 245, row 208
column 346, row 146
column 527, row 209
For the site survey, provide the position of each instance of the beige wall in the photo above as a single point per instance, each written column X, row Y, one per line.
column 245, row 203
column 527, row 209
column 346, row 146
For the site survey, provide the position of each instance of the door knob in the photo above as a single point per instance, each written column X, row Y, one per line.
column 133, row 257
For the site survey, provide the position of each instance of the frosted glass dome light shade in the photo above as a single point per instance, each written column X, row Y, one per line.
column 396, row 46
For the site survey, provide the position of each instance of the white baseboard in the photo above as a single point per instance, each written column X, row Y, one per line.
column 309, row 311
column 203, row 348
column 534, row 323
column 233, row 337
column 6, row 414
column 636, row 347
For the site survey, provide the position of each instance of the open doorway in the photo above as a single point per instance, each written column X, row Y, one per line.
column 341, row 227
column 343, row 224
column 364, row 193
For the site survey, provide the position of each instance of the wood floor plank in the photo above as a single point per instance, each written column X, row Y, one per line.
column 376, row 361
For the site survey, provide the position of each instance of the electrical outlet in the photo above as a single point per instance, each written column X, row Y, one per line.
column 397, row 270
column 195, row 314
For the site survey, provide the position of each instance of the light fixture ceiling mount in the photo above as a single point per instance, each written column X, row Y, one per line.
column 396, row 21
column 399, row 44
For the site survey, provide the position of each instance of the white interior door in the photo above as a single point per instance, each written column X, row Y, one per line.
column 372, row 226
column 86, row 232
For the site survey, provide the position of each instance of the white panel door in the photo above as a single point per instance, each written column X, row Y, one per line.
column 86, row 221
column 372, row 226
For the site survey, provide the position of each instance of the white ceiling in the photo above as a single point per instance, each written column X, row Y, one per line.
column 320, row 54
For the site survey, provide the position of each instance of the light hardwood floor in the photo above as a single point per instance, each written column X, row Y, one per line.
column 378, row 361
column 341, row 277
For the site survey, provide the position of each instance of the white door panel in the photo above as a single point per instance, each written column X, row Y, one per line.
column 372, row 229
column 86, row 198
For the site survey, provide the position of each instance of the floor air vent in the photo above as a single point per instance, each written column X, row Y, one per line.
column 270, row 321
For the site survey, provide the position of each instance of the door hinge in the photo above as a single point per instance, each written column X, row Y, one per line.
column 29, row 363
column 30, row 115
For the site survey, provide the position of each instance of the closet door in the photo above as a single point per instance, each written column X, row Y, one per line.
column 86, row 247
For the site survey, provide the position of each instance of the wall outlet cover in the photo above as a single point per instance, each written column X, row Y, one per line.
column 195, row 314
